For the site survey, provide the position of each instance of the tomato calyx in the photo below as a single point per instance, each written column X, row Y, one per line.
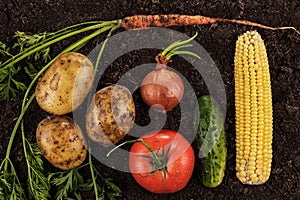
column 157, row 160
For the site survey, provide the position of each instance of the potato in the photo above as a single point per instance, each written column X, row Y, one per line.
column 65, row 84
column 61, row 142
column 111, row 115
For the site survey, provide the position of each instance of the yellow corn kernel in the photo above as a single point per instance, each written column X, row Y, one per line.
column 242, row 162
column 253, row 109
column 258, row 172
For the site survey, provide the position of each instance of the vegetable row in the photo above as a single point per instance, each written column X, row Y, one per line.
column 161, row 161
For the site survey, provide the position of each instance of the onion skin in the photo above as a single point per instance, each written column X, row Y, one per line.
column 163, row 89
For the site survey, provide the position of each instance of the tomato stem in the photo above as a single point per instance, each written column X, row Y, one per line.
column 157, row 160
column 133, row 141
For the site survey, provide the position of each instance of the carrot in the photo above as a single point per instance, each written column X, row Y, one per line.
column 168, row 20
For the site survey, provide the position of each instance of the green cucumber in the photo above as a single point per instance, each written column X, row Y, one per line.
column 211, row 143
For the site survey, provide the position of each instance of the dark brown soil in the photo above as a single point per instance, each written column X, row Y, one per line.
column 283, row 48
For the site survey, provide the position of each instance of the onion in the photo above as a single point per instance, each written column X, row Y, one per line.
column 161, row 88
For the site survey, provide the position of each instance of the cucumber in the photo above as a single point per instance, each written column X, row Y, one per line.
column 211, row 143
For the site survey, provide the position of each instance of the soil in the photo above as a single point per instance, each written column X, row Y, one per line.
column 35, row 16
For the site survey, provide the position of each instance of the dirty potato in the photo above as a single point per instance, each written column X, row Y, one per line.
column 111, row 115
column 61, row 142
column 65, row 84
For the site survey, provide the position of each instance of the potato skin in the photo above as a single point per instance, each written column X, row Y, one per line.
column 65, row 84
column 61, row 142
column 111, row 115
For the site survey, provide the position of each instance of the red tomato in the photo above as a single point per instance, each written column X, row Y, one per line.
column 177, row 164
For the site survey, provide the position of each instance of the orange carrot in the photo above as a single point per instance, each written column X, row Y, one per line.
column 168, row 20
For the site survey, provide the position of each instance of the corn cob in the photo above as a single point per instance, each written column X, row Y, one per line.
column 253, row 104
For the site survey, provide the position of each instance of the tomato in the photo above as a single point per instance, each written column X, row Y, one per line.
column 174, row 165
